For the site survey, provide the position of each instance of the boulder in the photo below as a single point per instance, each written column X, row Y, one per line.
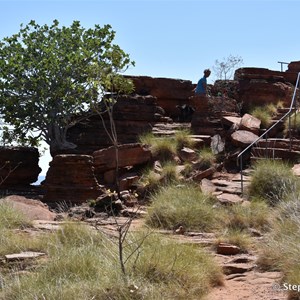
column 19, row 166
column 187, row 154
column 230, row 121
column 70, row 179
column 250, row 123
column 128, row 155
column 243, row 138
column 33, row 209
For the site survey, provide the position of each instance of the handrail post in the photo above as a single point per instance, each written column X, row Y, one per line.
column 241, row 171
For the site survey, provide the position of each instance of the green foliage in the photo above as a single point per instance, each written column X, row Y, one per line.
column 242, row 217
column 83, row 264
column 186, row 205
column 280, row 250
column 263, row 114
column 178, row 271
column 236, row 237
column 206, row 158
column 50, row 73
column 163, row 149
column 272, row 181
column 11, row 217
column 183, row 139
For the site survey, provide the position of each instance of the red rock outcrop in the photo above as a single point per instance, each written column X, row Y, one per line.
column 291, row 73
column 133, row 116
column 169, row 92
column 259, row 86
column 129, row 155
column 33, row 209
column 71, row 179
column 19, row 166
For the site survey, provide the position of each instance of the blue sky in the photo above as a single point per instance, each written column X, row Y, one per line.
column 176, row 38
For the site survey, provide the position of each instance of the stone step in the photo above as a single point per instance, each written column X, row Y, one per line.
column 284, row 153
column 279, row 143
column 284, row 110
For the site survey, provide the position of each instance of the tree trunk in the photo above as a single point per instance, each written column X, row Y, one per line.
column 57, row 140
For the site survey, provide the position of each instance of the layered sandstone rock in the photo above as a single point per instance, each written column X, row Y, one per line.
column 128, row 155
column 133, row 116
column 169, row 92
column 71, row 179
column 258, row 87
column 19, row 166
column 291, row 73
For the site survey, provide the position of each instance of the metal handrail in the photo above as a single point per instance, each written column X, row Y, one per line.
column 240, row 156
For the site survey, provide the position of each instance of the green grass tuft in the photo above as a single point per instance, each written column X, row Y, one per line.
column 182, row 205
column 272, row 181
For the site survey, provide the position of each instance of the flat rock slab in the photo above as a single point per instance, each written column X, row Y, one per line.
column 237, row 268
column 243, row 138
column 226, row 198
column 228, row 249
column 23, row 256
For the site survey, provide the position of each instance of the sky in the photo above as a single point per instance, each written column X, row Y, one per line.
column 176, row 38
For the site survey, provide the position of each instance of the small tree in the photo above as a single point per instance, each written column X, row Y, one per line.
column 48, row 75
column 224, row 69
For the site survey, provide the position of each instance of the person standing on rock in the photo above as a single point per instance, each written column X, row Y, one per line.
column 200, row 101
column 201, row 87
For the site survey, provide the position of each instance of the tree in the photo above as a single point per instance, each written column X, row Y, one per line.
column 49, row 75
column 224, row 69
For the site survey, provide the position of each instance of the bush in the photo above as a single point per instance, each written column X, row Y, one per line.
column 206, row 158
column 178, row 271
column 272, row 181
column 255, row 215
column 236, row 237
column 185, row 206
column 263, row 114
column 183, row 139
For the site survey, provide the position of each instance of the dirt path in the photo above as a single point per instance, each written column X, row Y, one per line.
column 252, row 285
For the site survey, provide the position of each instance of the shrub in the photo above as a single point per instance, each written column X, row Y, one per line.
column 179, row 271
column 255, row 215
column 272, row 181
column 206, row 158
column 236, row 237
column 186, row 205
column 183, row 139
column 263, row 114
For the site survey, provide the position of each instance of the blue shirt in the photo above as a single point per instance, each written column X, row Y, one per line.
column 200, row 86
